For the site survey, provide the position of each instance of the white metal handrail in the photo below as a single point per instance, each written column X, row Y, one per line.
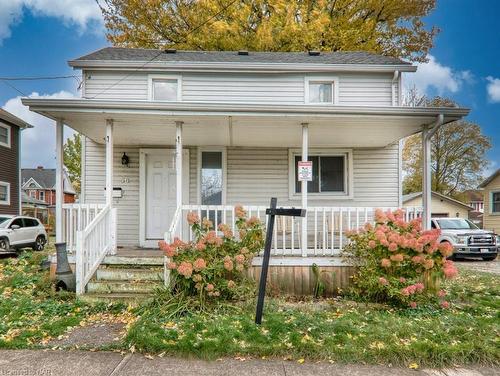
column 76, row 217
column 92, row 244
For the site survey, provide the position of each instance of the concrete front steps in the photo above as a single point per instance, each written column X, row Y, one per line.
column 129, row 280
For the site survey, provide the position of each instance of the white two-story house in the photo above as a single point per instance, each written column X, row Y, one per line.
column 167, row 132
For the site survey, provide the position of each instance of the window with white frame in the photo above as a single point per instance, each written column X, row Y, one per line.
column 164, row 88
column 321, row 90
column 495, row 202
column 5, row 135
column 330, row 173
column 41, row 195
column 211, row 178
column 4, row 193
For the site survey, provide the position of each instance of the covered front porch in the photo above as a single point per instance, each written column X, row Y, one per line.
column 168, row 146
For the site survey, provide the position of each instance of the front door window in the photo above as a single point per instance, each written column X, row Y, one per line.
column 211, row 188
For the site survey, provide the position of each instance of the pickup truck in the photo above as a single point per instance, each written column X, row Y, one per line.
column 467, row 239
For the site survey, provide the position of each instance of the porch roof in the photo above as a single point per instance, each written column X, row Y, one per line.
column 153, row 123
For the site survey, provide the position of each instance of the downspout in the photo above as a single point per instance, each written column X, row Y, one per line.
column 395, row 79
column 427, row 133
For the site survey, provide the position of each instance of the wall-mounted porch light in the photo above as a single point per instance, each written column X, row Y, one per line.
column 125, row 160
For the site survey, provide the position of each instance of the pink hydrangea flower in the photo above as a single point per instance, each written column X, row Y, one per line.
column 445, row 304
column 383, row 281
column 185, row 269
column 228, row 263
column 210, row 287
column 402, row 279
column 193, row 218
column 171, row 265
column 397, row 257
column 441, row 293
column 199, row 264
column 385, row 263
column 413, row 305
column 240, row 259
column 372, row 244
column 200, row 246
column 239, row 212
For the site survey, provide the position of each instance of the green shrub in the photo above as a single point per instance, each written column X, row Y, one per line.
column 213, row 265
column 398, row 263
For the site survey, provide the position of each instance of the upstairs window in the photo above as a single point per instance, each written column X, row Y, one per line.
column 165, row 88
column 321, row 91
column 4, row 135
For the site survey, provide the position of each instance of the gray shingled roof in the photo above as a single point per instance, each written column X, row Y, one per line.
column 140, row 54
column 45, row 177
column 490, row 179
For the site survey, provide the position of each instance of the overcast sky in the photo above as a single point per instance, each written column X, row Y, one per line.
column 38, row 37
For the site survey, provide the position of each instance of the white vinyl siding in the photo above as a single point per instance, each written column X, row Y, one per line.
column 128, row 179
column 365, row 89
column 254, row 175
column 370, row 89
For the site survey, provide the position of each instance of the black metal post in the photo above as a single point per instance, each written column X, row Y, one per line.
column 265, row 261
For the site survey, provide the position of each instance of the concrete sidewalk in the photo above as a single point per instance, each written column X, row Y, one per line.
column 62, row 363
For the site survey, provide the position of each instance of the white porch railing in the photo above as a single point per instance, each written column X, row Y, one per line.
column 326, row 226
column 76, row 217
column 96, row 240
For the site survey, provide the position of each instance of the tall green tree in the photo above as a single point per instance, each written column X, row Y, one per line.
column 73, row 160
column 389, row 27
column 458, row 152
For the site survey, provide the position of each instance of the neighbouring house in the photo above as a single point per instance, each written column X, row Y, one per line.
column 39, row 183
column 10, row 162
column 475, row 199
column 168, row 132
column 491, row 194
column 442, row 206
column 36, row 208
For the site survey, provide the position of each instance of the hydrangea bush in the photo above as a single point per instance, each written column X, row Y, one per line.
column 212, row 266
column 399, row 263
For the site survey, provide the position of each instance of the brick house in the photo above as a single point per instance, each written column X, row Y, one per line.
column 39, row 183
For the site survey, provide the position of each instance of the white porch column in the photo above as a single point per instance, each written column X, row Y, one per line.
column 178, row 160
column 426, row 179
column 427, row 133
column 109, row 162
column 303, row 186
column 59, row 180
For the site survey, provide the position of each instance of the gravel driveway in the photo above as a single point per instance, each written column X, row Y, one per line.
column 480, row 265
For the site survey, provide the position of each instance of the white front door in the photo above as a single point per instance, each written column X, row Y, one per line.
column 159, row 192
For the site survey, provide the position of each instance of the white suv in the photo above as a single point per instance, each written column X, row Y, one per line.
column 466, row 238
column 21, row 232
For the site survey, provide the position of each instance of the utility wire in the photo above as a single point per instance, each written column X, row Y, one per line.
column 13, row 87
column 161, row 51
column 35, row 78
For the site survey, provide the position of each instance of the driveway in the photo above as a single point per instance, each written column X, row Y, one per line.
column 480, row 265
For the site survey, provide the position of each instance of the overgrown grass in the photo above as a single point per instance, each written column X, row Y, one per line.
column 31, row 312
column 334, row 330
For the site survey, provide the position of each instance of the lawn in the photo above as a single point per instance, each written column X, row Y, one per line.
column 336, row 330
column 31, row 312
